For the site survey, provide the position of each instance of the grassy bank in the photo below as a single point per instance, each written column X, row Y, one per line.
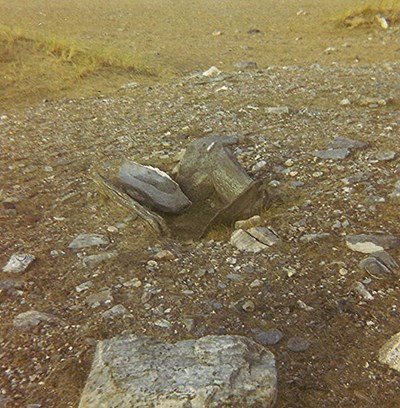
column 39, row 66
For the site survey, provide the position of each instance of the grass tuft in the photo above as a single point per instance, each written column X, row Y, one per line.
column 371, row 13
column 37, row 65
column 84, row 59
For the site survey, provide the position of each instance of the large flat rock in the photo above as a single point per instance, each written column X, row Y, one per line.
column 213, row 371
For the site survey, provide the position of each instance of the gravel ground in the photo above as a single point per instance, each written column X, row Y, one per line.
column 304, row 287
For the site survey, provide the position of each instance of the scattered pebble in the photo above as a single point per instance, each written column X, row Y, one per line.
column 298, row 344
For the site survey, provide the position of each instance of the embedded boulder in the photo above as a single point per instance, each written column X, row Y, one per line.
column 153, row 188
column 213, row 371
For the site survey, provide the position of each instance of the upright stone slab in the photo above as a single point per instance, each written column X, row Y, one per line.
column 213, row 371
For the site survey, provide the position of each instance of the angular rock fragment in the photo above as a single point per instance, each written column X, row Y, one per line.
column 211, row 371
column 91, row 261
column 370, row 243
column 278, row 110
column 88, row 240
column 212, row 72
column 32, row 318
column 264, row 235
column 385, row 156
column 245, row 242
column 18, row 263
column 254, row 221
column 380, row 264
column 345, row 143
column 115, row 192
column 390, row 353
column 314, row 237
column 360, row 288
column 153, row 188
column 374, row 267
column 101, row 298
column 331, row 154
column 116, row 311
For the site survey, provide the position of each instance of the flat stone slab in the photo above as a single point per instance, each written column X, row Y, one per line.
column 370, row 243
column 213, row 371
column 88, row 240
column 345, row 143
column 32, row 318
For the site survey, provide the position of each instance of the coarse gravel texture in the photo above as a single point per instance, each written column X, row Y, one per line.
column 303, row 288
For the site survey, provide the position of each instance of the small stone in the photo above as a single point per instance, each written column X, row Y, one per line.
column 112, row 229
column 274, row 183
column 304, row 306
column 289, row 163
column 278, row 110
column 189, row 324
column 152, row 265
column 248, row 306
column 134, row 283
column 91, row 261
column 212, row 72
column 116, row 311
column 258, row 166
column 88, row 240
column 317, row 174
column 385, row 156
column 390, row 352
column 164, row 255
column 84, row 286
column 298, row 344
column 331, row 154
column 256, row 283
column 345, row 143
column 345, row 102
column 101, row 298
column 165, row 324
column 231, row 261
column 314, row 237
column 18, row 263
column 254, row 221
column 361, row 289
column 268, row 337
column 32, row 318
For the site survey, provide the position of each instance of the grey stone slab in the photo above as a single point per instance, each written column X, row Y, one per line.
column 212, row 371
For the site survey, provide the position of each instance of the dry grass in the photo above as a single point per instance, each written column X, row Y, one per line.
column 370, row 13
column 35, row 64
